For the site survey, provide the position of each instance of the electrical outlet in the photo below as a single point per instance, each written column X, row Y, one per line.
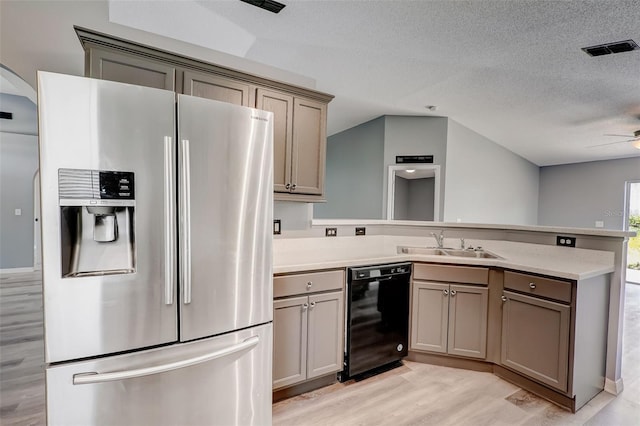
column 361, row 230
column 277, row 228
column 565, row 241
column 330, row 232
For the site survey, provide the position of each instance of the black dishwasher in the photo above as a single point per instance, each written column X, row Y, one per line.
column 377, row 326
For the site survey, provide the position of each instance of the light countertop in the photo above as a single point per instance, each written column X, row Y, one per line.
column 306, row 254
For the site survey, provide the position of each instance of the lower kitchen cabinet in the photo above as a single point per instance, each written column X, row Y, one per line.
column 535, row 338
column 449, row 318
column 308, row 330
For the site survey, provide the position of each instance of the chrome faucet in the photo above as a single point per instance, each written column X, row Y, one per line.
column 439, row 238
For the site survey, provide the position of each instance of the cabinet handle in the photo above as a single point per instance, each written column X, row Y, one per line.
column 287, row 186
column 532, row 286
column 313, row 304
column 293, row 187
column 305, row 306
column 445, row 292
column 504, row 298
column 453, row 293
column 309, row 284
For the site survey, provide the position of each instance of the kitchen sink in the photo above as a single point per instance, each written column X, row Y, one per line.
column 433, row 251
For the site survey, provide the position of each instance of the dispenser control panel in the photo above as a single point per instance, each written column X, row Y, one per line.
column 116, row 185
column 96, row 184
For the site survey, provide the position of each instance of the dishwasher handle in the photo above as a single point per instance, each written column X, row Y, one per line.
column 95, row 377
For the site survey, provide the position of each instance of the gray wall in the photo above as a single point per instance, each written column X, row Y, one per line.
column 415, row 136
column 421, row 192
column 413, row 198
column 355, row 173
column 583, row 193
column 293, row 215
column 401, row 198
column 18, row 164
column 486, row 183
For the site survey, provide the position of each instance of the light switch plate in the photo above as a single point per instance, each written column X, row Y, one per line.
column 18, row 212
column 277, row 228
column 599, row 224
column 330, row 232
column 361, row 230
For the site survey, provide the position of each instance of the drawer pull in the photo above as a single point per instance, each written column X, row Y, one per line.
column 312, row 305
column 504, row 298
column 445, row 292
column 305, row 306
column 532, row 286
column 309, row 284
column 453, row 293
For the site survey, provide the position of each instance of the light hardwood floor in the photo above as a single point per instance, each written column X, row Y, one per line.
column 21, row 350
column 420, row 394
column 414, row 394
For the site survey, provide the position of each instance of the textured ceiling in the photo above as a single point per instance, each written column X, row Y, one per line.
column 512, row 70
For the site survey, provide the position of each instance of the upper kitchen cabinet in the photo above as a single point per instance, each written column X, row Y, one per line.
column 218, row 88
column 299, row 143
column 125, row 68
column 300, row 114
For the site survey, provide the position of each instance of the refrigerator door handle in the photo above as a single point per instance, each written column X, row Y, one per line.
column 169, row 221
column 95, row 377
column 185, row 219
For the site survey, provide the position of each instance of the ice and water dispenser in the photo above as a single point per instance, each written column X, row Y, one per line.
column 97, row 221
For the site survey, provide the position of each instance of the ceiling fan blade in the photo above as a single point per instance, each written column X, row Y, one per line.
column 610, row 143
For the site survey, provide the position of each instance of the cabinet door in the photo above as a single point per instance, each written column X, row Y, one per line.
column 468, row 321
column 535, row 338
column 281, row 106
column 289, row 341
column 123, row 68
column 309, row 146
column 218, row 88
column 326, row 328
column 429, row 316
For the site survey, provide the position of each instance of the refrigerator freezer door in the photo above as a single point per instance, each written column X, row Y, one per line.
column 225, row 380
column 226, row 199
column 93, row 125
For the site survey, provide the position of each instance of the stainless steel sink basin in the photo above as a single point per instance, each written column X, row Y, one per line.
column 432, row 251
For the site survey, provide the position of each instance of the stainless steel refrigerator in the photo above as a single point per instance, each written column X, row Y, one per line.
column 157, row 261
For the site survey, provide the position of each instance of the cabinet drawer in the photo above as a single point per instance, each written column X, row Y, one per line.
column 538, row 286
column 289, row 285
column 451, row 274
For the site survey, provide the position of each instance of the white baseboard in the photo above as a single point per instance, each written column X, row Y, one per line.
column 613, row 387
column 16, row 270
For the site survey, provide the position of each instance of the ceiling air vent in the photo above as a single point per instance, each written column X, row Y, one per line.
column 270, row 5
column 609, row 48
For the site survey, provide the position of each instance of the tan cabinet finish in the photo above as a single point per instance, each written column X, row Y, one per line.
column 289, row 285
column 535, row 338
column 309, row 146
column 217, row 88
column 289, row 341
column 325, row 325
column 281, row 105
column 299, row 142
column 468, row 321
column 449, row 318
column 538, row 286
column 451, row 274
column 429, row 317
column 123, row 68
column 308, row 332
